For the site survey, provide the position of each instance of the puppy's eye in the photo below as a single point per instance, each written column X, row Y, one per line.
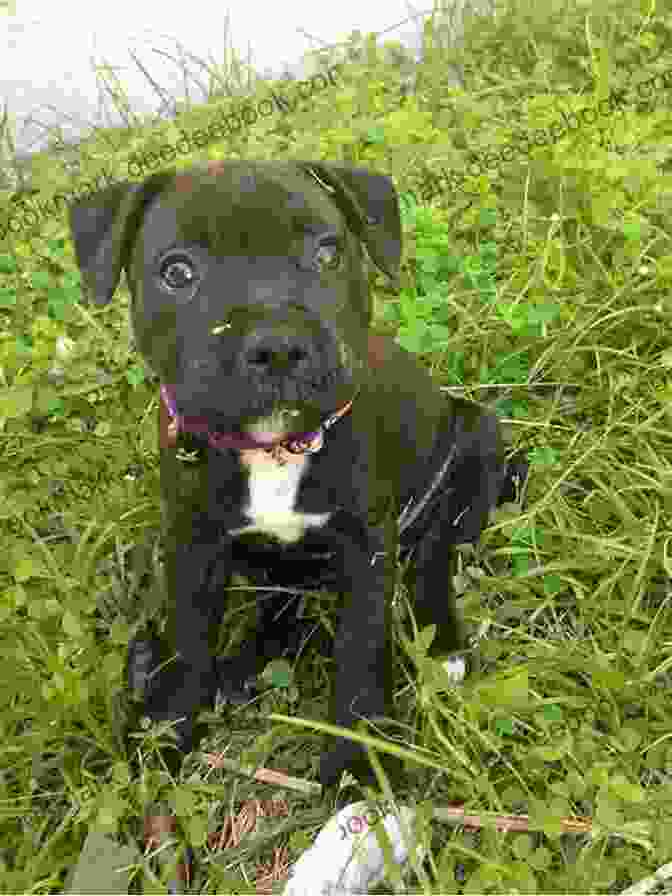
column 328, row 255
column 177, row 273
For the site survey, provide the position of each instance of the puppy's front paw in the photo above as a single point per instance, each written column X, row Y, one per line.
column 235, row 680
column 346, row 755
column 183, row 732
column 169, row 691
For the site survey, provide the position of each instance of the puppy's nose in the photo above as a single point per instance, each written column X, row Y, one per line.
column 276, row 350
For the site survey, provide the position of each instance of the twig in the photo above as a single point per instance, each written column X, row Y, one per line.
column 452, row 815
column 265, row 775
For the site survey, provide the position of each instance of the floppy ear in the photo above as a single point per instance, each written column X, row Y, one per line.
column 103, row 229
column 370, row 205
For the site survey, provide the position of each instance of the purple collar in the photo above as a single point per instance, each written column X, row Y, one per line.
column 294, row 443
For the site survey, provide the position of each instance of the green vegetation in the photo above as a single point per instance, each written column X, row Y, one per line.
column 541, row 288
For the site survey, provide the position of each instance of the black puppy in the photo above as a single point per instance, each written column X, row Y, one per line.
column 321, row 444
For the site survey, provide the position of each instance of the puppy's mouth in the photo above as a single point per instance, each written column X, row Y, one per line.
column 280, row 423
column 293, row 406
column 270, row 410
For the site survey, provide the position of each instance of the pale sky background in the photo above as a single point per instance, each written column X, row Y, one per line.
column 47, row 47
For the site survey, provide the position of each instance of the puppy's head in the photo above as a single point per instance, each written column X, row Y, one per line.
column 249, row 289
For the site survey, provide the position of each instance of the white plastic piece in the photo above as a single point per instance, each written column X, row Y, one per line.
column 346, row 856
column 455, row 668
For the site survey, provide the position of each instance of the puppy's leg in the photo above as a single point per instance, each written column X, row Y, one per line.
column 429, row 580
column 362, row 647
column 460, row 513
column 196, row 575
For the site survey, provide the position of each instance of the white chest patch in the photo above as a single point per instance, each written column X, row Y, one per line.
column 272, row 491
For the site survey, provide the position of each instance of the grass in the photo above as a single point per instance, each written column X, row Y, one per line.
column 541, row 289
